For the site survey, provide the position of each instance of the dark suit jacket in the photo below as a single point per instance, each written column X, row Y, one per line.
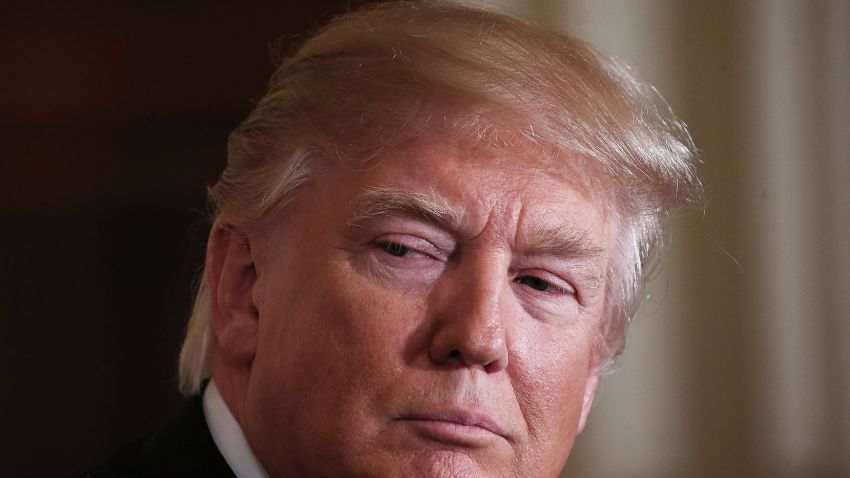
column 182, row 447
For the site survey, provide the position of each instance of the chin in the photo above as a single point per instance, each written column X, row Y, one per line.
column 443, row 464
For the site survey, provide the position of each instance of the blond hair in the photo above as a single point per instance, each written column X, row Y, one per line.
column 376, row 78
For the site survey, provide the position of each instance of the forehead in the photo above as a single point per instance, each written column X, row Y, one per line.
column 486, row 184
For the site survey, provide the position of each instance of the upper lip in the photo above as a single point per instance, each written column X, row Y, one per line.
column 460, row 416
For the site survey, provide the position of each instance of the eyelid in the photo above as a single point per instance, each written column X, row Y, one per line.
column 403, row 224
column 414, row 243
column 562, row 285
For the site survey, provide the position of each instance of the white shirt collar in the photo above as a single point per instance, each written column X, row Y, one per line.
column 228, row 436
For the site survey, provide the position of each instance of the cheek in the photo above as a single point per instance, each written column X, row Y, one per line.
column 331, row 355
column 341, row 329
column 551, row 369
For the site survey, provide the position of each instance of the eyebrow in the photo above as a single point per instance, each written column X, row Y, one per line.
column 562, row 241
column 566, row 242
column 375, row 202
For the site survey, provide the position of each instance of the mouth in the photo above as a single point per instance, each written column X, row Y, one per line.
column 454, row 426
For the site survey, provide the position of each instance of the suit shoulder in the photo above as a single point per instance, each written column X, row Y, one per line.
column 182, row 447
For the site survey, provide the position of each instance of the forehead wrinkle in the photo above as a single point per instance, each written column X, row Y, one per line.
column 536, row 235
column 374, row 202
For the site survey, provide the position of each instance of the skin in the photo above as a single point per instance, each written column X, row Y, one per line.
column 398, row 344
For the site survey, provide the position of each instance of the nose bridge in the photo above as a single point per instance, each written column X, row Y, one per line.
column 470, row 317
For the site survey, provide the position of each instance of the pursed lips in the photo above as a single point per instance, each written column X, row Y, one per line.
column 455, row 425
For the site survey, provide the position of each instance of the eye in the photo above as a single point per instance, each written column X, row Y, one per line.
column 543, row 285
column 394, row 248
column 405, row 250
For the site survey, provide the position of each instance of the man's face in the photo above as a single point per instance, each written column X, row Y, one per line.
column 433, row 315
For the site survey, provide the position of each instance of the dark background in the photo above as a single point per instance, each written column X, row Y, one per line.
column 113, row 120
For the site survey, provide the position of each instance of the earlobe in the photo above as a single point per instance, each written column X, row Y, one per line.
column 232, row 278
column 587, row 401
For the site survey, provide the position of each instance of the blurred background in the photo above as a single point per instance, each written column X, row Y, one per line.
column 114, row 117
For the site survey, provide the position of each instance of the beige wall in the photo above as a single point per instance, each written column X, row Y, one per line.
column 739, row 364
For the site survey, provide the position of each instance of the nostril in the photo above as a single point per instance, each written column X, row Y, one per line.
column 454, row 355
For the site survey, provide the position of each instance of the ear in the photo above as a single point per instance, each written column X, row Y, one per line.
column 232, row 277
column 589, row 394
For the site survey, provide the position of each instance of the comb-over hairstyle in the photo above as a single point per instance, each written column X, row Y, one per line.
column 380, row 77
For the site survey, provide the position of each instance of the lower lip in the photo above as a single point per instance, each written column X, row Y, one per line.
column 451, row 433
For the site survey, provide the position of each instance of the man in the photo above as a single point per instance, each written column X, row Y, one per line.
column 426, row 246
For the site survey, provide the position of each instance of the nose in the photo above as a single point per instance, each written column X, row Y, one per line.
column 470, row 320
